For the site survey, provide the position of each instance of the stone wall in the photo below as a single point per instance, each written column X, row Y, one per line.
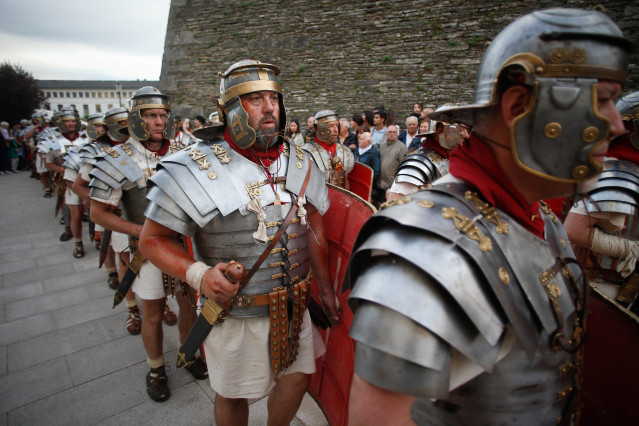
column 348, row 55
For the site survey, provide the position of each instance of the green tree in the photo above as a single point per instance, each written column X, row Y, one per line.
column 20, row 93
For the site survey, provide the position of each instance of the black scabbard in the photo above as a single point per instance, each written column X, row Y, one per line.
column 104, row 246
column 129, row 276
column 211, row 313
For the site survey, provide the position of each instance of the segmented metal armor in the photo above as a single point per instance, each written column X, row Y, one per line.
column 617, row 191
column 213, row 194
column 422, row 168
column 462, row 315
column 334, row 168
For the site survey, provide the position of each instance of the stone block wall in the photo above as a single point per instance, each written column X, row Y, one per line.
column 348, row 55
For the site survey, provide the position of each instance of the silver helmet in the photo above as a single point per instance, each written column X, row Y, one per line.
column 68, row 113
column 243, row 77
column 322, row 132
column 146, row 98
column 112, row 119
column 561, row 54
column 628, row 107
column 93, row 122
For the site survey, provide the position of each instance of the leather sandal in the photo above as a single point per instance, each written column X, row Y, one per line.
column 133, row 322
column 198, row 369
column 67, row 234
column 113, row 281
column 169, row 316
column 157, row 384
column 79, row 250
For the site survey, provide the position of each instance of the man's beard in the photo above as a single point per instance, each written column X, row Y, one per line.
column 269, row 137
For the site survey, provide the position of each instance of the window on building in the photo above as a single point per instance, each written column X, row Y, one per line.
column 110, row 106
column 86, row 94
column 75, row 94
column 47, row 105
column 59, row 107
column 98, row 108
column 93, row 94
column 106, row 94
column 68, row 94
column 80, row 94
column 99, row 94
column 62, row 94
column 85, row 108
column 48, row 94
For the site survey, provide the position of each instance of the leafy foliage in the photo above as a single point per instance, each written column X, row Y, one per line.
column 20, row 93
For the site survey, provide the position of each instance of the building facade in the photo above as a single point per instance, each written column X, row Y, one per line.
column 89, row 96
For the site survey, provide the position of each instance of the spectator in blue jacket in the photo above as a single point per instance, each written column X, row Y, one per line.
column 367, row 154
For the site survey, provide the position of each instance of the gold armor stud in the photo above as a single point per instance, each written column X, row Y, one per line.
column 590, row 134
column 425, row 203
column 580, row 172
column 212, row 175
column 299, row 165
column 577, row 55
column 557, row 56
column 552, row 130
column 503, row 276
column 123, row 162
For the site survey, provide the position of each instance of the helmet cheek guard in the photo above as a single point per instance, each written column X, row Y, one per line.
column 322, row 118
column 237, row 122
column 149, row 97
column 93, row 121
column 628, row 107
column 560, row 113
column 112, row 119
column 563, row 53
column 241, row 78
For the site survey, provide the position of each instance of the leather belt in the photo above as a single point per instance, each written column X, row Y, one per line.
column 250, row 300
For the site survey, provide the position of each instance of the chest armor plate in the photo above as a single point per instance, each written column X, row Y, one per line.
column 230, row 237
column 133, row 204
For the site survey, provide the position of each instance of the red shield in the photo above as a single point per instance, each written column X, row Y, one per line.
column 361, row 180
column 330, row 385
column 611, row 377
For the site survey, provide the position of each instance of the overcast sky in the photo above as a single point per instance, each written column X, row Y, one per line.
column 84, row 39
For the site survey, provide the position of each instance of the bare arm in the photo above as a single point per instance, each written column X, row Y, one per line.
column 318, row 254
column 579, row 228
column 371, row 405
column 81, row 187
column 104, row 214
column 54, row 167
column 159, row 244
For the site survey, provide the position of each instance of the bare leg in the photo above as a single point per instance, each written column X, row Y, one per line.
column 187, row 315
column 76, row 221
column 230, row 412
column 152, row 334
column 286, row 397
column 109, row 261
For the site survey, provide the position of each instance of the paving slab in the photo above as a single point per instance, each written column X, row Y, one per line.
column 25, row 328
column 46, row 303
column 51, row 345
column 3, row 361
column 26, row 386
column 86, row 404
column 21, row 292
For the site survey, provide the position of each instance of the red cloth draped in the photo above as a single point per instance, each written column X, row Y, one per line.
column 474, row 162
column 331, row 149
column 622, row 149
column 71, row 136
column 267, row 157
column 163, row 149
column 431, row 143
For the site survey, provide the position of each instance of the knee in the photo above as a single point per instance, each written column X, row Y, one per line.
column 233, row 403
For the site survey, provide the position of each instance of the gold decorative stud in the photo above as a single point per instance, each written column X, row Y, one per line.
column 590, row 134
column 580, row 172
column 552, row 130
column 557, row 56
column 212, row 175
column 503, row 276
